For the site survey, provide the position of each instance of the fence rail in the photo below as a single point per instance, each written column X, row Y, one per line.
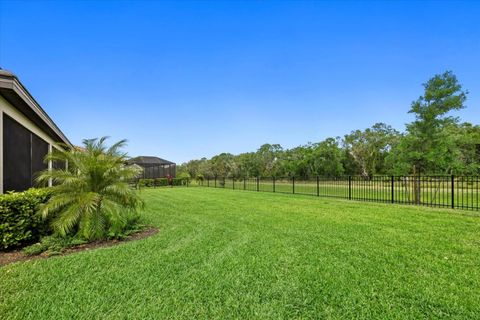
column 457, row 192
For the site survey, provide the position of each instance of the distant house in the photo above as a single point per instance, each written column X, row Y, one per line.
column 154, row 167
column 27, row 134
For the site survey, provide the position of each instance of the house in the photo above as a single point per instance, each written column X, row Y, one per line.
column 154, row 167
column 27, row 134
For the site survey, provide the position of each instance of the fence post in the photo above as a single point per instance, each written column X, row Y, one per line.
column 273, row 180
column 233, row 183
column 258, row 184
column 244, row 183
column 453, row 191
column 293, row 184
column 318, row 186
column 393, row 189
column 215, row 181
column 349, row 187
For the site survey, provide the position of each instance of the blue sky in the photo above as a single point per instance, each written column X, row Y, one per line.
column 184, row 80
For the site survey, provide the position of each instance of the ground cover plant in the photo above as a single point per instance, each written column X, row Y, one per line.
column 232, row 254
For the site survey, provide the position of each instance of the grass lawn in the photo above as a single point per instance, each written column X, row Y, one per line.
column 239, row 254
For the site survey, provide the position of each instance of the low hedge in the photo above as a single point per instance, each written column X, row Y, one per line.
column 180, row 181
column 162, row 182
column 19, row 224
column 146, row 182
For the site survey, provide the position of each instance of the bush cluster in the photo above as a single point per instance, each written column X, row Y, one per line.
column 19, row 223
column 162, row 182
column 52, row 245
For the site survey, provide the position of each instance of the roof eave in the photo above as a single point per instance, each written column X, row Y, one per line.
column 9, row 83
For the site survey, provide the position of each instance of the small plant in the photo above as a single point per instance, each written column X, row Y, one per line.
column 134, row 228
column 53, row 245
column 180, row 181
column 34, row 249
column 161, row 182
column 146, row 183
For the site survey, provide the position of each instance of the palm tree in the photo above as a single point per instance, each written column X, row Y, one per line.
column 91, row 197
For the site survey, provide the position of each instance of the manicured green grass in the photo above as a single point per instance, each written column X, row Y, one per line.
column 238, row 254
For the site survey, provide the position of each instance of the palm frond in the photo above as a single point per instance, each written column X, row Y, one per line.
column 93, row 194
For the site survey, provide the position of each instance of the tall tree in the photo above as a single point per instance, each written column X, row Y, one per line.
column 247, row 165
column 370, row 147
column 223, row 165
column 267, row 156
column 465, row 157
column 426, row 146
column 326, row 158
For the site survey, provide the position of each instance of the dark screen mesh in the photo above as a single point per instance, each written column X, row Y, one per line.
column 58, row 164
column 157, row 171
column 16, row 156
column 39, row 151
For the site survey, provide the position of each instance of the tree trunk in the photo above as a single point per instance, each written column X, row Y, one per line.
column 416, row 185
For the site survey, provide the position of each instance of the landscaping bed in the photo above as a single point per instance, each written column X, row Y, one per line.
column 19, row 255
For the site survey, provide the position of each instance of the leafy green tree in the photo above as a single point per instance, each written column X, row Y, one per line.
column 294, row 162
column 465, row 156
column 223, row 165
column 370, row 147
column 326, row 158
column 247, row 165
column 267, row 159
column 205, row 169
column 91, row 197
column 427, row 147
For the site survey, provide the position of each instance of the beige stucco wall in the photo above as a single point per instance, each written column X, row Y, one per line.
column 7, row 108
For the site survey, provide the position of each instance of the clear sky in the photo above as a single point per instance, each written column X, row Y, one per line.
column 184, row 80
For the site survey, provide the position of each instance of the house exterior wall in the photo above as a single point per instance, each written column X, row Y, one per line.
column 9, row 110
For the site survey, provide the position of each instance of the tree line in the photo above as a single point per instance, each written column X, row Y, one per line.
column 436, row 142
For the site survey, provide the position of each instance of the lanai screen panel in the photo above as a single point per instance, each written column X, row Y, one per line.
column 16, row 156
column 39, row 151
column 23, row 154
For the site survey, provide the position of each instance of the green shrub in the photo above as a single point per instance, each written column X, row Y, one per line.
column 184, row 175
column 179, row 181
column 52, row 245
column 93, row 197
column 146, row 182
column 130, row 225
column 19, row 223
column 123, row 234
column 34, row 249
column 161, row 182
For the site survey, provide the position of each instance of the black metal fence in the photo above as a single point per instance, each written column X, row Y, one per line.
column 461, row 192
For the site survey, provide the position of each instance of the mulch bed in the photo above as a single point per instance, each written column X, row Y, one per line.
column 18, row 255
